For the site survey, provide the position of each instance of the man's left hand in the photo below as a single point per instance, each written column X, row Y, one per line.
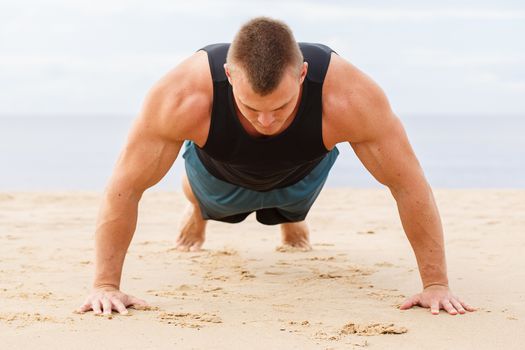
column 438, row 297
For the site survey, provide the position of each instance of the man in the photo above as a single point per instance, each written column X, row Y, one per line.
column 259, row 122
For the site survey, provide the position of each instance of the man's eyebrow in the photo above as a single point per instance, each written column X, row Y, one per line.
column 253, row 109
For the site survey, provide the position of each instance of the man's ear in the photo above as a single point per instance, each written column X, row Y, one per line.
column 228, row 72
column 304, row 70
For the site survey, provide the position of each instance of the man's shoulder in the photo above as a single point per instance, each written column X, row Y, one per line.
column 353, row 104
column 180, row 102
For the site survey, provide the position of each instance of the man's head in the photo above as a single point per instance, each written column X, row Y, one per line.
column 265, row 68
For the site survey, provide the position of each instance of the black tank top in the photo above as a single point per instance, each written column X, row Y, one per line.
column 263, row 164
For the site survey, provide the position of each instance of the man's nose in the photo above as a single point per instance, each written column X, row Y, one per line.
column 265, row 119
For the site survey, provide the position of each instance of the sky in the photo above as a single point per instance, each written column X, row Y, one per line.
column 61, row 57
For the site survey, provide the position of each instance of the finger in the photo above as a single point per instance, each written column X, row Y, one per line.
column 95, row 305
column 409, row 303
column 449, row 308
column 467, row 306
column 106, row 306
column 119, row 306
column 137, row 301
column 84, row 308
column 457, row 305
column 434, row 307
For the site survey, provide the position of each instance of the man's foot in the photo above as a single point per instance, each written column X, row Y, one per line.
column 192, row 230
column 295, row 236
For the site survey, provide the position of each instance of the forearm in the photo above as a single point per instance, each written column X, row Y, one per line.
column 422, row 224
column 115, row 228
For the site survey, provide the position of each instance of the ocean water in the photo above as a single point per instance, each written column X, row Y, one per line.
column 78, row 152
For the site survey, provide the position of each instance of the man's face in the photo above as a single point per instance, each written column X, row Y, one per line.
column 267, row 114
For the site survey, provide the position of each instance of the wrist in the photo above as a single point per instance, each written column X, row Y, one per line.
column 425, row 286
column 434, row 275
column 105, row 286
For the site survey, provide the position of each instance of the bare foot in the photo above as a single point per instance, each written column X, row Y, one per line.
column 192, row 230
column 295, row 235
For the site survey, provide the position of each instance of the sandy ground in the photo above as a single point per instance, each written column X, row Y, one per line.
column 240, row 293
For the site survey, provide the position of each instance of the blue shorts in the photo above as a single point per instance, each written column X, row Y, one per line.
column 223, row 201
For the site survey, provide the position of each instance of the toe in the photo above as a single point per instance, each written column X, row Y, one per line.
column 182, row 247
column 196, row 247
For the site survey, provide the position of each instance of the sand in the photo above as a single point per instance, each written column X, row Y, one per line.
column 242, row 293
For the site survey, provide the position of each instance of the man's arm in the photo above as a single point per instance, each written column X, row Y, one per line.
column 391, row 160
column 388, row 156
column 145, row 159
column 379, row 140
column 170, row 114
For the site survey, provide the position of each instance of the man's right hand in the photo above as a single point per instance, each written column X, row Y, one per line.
column 104, row 300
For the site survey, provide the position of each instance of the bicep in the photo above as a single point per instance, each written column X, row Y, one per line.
column 173, row 111
column 389, row 156
column 145, row 159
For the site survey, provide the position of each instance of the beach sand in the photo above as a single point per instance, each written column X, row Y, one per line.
column 241, row 293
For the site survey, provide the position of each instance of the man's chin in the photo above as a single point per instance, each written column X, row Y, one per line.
column 267, row 131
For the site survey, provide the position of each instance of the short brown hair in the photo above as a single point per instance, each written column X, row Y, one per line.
column 264, row 48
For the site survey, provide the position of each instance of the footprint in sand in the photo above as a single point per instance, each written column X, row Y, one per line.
column 285, row 248
column 225, row 251
column 22, row 319
column 246, row 275
column 320, row 258
column 274, row 273
column 189, row 320
column 371, row 329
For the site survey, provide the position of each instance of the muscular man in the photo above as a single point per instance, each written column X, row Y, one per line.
column 258, row 123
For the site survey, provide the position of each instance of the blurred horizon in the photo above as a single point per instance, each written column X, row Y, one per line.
column 78, row 153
